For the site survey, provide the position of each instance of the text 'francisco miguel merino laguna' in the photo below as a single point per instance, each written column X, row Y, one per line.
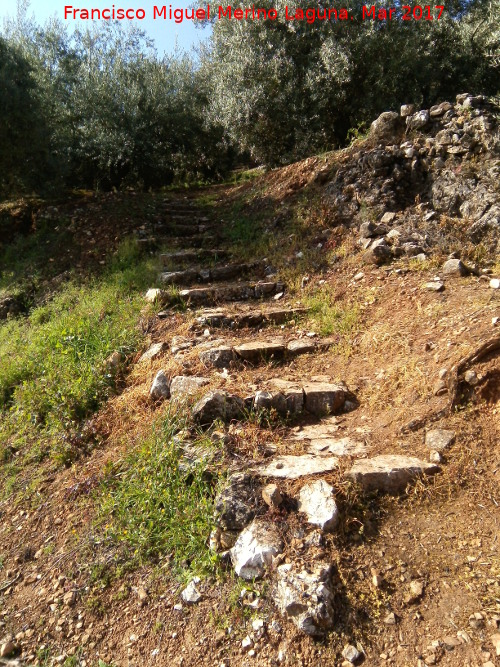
column 253, row 13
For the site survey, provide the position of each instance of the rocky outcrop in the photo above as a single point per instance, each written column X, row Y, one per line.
column 448, row 160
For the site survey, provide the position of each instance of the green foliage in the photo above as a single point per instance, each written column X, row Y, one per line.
column 156, row 508
column 23, row 143
column 285, row 89
column 110, row 111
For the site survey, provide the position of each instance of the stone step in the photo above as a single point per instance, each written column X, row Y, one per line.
column 154, row 242
column 191, row 255
column 294, row 467
column 184, row 230
column 243, row 291
column 179, row 206
column 194, row 241
column 317, row 398
column 219, row 318
column 213, row 274
column 190, row 219
column 258, row 351
column 390, row 473
column 323, row 439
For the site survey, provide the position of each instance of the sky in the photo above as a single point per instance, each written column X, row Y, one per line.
column 164, row 33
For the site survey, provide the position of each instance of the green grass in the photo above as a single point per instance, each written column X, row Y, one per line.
column 156, row 510
column 330, row 318
column 53, row 373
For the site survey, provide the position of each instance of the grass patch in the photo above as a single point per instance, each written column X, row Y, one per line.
column 329, row 317
column 53, row 370
column 156, row 508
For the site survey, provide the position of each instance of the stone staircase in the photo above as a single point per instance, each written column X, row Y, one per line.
column 312, row 405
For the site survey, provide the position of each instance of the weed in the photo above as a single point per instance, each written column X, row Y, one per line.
column 43, row 655
column 73, row 660
column 331, row 318
column 158, row 508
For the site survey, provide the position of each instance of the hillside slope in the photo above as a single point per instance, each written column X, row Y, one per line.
column 294, row 457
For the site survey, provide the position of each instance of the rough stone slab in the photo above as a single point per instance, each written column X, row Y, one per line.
column 218, row 357
column 327, row 427
column 255, row 549
column 218, row 405
column 285, row 397
column 186, row 385
column 323, row 399
column 233, row 292
column 179, row 277
column 305, row 596
column 301, row 346
column 268, row 288
column 258, row 350
column 160, row 389
column 317, row 502
column 439, row 439
column 294, row 467
column 153, row 352
column 337, row 446
column 389, row 473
